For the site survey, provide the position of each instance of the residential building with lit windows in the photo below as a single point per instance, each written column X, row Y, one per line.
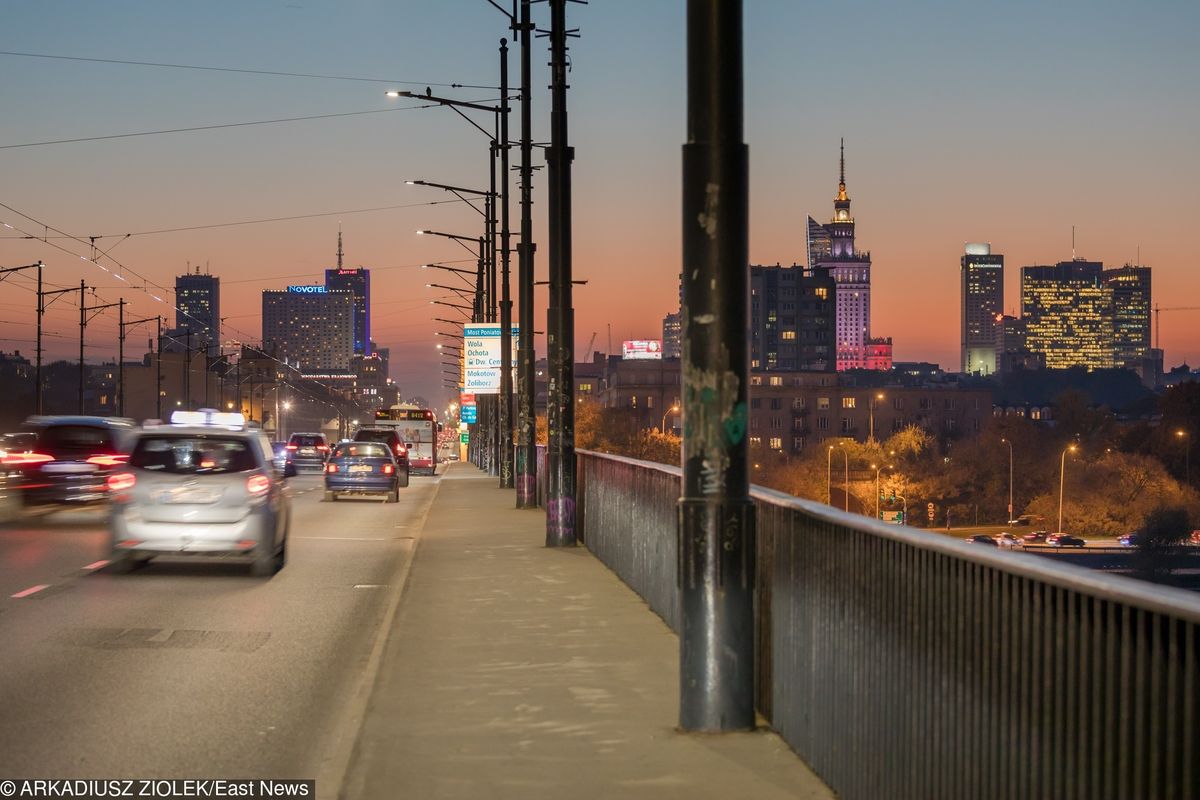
column 982, row 287
column 198, row 310
column 313, row 328
column 672, row 335
column 792, row 317
column 832, row 247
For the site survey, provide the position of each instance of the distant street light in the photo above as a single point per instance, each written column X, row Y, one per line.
column 1187, row 456
column 1062, row 474
column 1010, row 479
column 871, row 403
column 670, row 410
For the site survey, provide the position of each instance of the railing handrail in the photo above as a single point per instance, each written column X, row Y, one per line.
column 1168, row 600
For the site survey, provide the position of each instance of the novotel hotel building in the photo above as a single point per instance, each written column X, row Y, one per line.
column 312, row 327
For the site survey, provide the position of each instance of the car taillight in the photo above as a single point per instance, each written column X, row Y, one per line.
column 388, row 469
column 258, row 484
column 291, row 447
column 331, row 468
column 401, row 450
column 323, row 447
column 108, row 460
column 26, row 459
column 121, row 482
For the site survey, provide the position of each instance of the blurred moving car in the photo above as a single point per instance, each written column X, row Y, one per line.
column 362, row 468
column 981, row 538
column 1129, row 540
column 205, row 485
column 280, row 451
column 1035, row 536
column 306, row 453
column 391, row 438
column 1006, row 539
column 1065, row 540
column 68, row 460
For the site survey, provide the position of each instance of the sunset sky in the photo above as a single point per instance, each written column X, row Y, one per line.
column 1001, row 122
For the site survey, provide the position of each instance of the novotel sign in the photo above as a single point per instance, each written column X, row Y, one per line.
column 306, row 289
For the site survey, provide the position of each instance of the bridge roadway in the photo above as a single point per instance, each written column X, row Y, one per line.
column 428, row 649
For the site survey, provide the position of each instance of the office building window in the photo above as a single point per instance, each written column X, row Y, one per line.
column 776, row 443
column 848, row 402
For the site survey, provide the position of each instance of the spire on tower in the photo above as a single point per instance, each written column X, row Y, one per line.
column 339, row 245
column 842, row 174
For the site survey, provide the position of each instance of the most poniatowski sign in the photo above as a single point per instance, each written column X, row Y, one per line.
column 481, row 350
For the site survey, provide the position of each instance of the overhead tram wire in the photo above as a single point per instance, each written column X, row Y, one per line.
column 276, row 73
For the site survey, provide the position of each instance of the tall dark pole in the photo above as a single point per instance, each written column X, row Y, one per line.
column 41, row 311
column 560, row 326
column 158, row 371
column 493, row 404
column 526, row 456
column 82, row 325
column 506, row 388
column 187, row 371
column 479, row 434
column 716, row 517
column 121, row 357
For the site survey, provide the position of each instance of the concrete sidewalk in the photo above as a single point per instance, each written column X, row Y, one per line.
column 516, row 671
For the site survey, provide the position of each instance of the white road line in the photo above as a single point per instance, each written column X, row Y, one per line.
column 345, row 538
column 97, row 564
column 32, row 590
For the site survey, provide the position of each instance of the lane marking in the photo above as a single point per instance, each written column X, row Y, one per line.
column 370, row 586
column 344, row 538
column 97, row 564
column 31, row 590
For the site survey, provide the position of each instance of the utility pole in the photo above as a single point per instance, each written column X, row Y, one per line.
column 42, row 306
column 41, row 310
column 83, row 321
column 526, row 458
column 716, row 515
column 123, row 326
column 506, row 388
column 560, row 316
column 158, row 372
column 187, row 370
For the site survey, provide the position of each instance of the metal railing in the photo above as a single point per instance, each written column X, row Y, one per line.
column 904, row 664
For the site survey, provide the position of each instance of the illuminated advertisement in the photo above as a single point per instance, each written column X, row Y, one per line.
column 641, row 349
column 481, row 350
column 306, row 289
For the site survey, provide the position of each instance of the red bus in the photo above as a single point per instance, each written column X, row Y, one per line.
column 418, row 430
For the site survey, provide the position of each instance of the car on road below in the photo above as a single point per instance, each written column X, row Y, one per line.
column 65, row 460
column 1065, row 540
column 981, row 538
column 306, row 452
column 204, row 485
column 362, row 468
column 391, row 438
column 1006, row 539
column 280, row 452
column 1034, row 537
column 1129, row 540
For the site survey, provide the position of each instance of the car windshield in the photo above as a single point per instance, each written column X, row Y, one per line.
column 374, row 436
column 308, row 440
column 361, row 450
column 193, row 455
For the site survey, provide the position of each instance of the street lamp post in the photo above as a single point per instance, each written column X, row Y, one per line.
column 874, row 401
column 1187, row 456
column 877, row 496
column 829, row 475
column 1062, row 474
column 846, row 490
column 670, row 410
column 1010, row 478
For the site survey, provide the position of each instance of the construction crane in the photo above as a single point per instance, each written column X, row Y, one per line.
column 1158, row 310
column 589, row 347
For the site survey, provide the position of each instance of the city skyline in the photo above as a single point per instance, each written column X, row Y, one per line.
column 1065, row 144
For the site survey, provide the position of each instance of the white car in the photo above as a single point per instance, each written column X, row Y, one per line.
column 1006, row 539
column 205, row 485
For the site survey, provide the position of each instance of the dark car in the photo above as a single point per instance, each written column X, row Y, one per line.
column 306, row 452
column 362, row 468
column 1130, row 540
column 389, row 437
column 981, row 538
column 68, row 461
column 1036, row 536
column 1065, row 540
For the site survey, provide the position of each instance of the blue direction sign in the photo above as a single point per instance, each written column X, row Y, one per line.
column 469, row 414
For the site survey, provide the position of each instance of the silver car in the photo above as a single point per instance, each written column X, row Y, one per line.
column 204, row 485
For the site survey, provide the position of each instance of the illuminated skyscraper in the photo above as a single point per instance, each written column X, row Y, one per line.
column 198, row 309
column 832, row 247
column 1130, row 287
column 792, row 319
column 1067, row 310
column 357, row 282
column 312, row 328
column 982, row 279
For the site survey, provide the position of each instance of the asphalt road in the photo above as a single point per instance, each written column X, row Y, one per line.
column 188, row 668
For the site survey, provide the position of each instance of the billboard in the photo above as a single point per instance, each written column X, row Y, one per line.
column 641, row 349
column 307, row 289
column 481, row 351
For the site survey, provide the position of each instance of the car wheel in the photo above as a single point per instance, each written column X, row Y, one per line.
column 394, row 496
column 402, row 477
column 265, row 565
column 330, row 497
column 281, row 556
column 124, row 563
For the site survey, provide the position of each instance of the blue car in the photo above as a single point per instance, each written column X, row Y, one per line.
column 362, row 468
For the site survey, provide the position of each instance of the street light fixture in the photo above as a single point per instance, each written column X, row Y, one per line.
column 1062, row 474
column 1010, row 479
column 670, row 410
